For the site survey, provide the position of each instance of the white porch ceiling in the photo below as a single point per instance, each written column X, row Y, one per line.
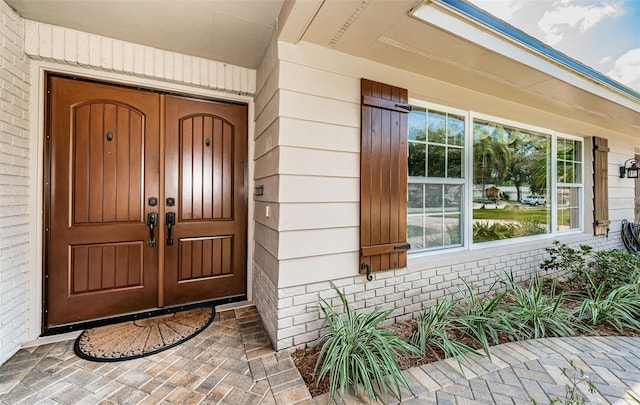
column 231, row 31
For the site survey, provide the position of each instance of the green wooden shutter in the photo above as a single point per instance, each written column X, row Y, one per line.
column 600, row 186
column 383, row 177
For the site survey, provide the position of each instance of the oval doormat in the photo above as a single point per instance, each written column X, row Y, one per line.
column 142, row 337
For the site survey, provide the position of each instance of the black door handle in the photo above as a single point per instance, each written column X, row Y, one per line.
column 170, row 221
column 152, row 222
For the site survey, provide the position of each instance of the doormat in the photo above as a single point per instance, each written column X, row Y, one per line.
column 142, row 337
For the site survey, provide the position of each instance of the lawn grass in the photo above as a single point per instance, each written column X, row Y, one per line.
column 534, row 214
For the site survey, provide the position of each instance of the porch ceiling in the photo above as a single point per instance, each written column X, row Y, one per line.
column 385, row 31
column 231, row 31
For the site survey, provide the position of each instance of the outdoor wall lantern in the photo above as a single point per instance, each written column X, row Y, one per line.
column 631, row 171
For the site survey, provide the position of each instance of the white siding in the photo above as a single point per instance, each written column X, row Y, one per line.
column 309, row 150
column 14, row 189
column 266, row 158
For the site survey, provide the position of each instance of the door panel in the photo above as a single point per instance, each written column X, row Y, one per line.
column 205, row 174
column 104, row 163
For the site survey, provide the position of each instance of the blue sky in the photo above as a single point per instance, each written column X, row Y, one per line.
column 602, row 34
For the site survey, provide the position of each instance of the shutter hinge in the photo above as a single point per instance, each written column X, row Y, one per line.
column 404, row 106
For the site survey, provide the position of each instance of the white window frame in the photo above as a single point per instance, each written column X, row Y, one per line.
column 467, row 211
column 444, row 180
column 554, row 213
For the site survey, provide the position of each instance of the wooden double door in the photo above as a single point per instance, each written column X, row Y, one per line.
column 145, row 197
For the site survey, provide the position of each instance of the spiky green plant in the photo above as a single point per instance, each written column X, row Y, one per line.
column 357, row 351
column 535, row 314
column 483, row 318
column 434, row 326
column 619, row 308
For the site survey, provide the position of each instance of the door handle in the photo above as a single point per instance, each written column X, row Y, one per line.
column 152, row 222
column 170, row 221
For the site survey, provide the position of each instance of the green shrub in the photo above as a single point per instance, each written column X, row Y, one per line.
column 434, row 326
column 610, row 268
column 536, row 314
column 483, row 231
column 356, row 351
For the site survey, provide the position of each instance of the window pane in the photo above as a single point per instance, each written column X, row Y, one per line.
column 577, row 173
column 436, row 166
column 569, row 161
column 437, row 127
column 577, row 151
column 433, row 232
column 436, row 152
column 454, row 163
column 433, row 198
column 453, row 198
column 511, row 182
column 415, row 204
column 417, row 124
column 455, row 125
column 415, row 231
column 568, row 208
column 453, row 230
column 417, row 159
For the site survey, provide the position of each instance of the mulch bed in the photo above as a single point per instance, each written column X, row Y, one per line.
column 305, row 359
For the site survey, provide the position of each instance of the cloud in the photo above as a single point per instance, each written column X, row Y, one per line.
column 503, row 9
column 626, row 69
column 569, row 15
column 606, row 60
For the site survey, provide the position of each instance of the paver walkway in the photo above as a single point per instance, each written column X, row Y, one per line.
column 232, row 362
column 524, row 372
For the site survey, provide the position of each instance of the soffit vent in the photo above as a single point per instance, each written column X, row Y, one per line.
column 352, row 18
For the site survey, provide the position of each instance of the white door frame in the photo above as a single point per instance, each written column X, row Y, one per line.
column 36, row 156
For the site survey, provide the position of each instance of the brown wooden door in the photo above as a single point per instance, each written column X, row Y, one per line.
column 103, row 148
column 205, row 175
column 104, row 162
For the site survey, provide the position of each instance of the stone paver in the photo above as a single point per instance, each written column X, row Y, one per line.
column 233, row 362
column 230, row 362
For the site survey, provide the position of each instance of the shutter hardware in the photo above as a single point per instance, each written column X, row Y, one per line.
column 368, row 268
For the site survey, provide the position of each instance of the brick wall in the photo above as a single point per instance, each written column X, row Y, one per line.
column 14, row 189
column 408, row 291
column 67, row 46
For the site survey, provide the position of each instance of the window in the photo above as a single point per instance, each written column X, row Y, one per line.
column 474, row 179
column 511, row 182
column 436, row 179
column 569, row 178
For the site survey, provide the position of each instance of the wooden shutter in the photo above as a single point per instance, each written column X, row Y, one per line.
column 383, row 177
column 600, row 186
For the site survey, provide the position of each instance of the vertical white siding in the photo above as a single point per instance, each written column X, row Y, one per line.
column 14, row 189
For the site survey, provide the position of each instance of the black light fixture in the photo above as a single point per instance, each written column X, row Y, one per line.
column 630, row 171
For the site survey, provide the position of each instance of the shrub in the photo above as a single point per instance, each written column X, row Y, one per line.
column 483, row 231
column 611, row 268
column 356, row 350
column 434, row 326
column 536, row 314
